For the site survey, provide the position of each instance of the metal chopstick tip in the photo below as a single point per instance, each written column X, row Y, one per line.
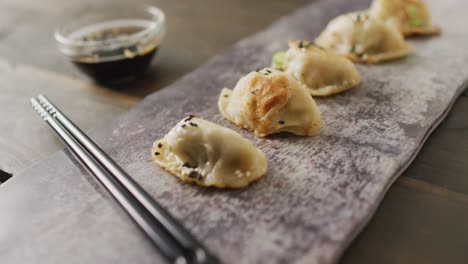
column 38, row 108
column 49, row 107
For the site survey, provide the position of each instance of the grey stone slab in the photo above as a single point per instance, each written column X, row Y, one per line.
column 318, row 194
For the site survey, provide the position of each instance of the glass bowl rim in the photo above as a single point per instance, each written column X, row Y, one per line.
column 155, row 29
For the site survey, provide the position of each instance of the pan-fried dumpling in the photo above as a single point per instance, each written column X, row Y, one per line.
column 269, row 101
column 322, row 71
column 207, row 154
column 411, row 17
column 363, row 38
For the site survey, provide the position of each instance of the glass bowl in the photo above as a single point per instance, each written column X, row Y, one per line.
column 112, row 43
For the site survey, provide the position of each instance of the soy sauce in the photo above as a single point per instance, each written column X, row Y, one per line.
column 120, row 64
column 121, row 70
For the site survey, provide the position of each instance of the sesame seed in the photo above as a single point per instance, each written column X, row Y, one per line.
column 157, row 153
column 281, row 122
column 226, row 95
column 184, row 125
column 193, row 174
column 193, row 124
column 160, row 145
column 189, row 118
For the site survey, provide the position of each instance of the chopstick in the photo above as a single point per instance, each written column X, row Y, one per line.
column 173, row 240
column 177, row 230
column 156, row 233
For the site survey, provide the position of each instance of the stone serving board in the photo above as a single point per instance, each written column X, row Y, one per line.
column 318, row 193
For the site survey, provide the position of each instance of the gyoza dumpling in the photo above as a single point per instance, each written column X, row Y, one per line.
column 363, row 38
column 410, row 16
column 269, row 101
column 208, row 154
column 323, row 72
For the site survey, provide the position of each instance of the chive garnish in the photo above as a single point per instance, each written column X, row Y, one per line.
column 279, row 60
column 412, row 12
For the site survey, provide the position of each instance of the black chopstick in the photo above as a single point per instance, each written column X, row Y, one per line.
column 189, row 243
column 174, row 241
column 167, row 245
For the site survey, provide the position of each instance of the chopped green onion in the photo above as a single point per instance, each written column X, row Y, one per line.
column 414, row 20
column 279, row 60
column 358, row 18
column 304, row 44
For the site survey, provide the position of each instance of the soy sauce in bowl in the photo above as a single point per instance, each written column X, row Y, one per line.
column 114, row 49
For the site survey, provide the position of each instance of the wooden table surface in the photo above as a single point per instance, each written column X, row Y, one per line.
column 423, row 217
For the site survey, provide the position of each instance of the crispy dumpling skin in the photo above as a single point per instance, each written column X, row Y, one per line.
column 323, row 72
column 207, row 154
column 269, row 101
column 363, row 39
column 411, row 17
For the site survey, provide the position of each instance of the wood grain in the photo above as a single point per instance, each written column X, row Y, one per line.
column 196, row 31
column 24, row 140
column 429, row 221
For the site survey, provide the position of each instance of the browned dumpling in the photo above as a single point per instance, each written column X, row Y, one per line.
column 363, row 38
column 411, row 17
column 323, row 72
column 207, row 154
column 269, row 101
